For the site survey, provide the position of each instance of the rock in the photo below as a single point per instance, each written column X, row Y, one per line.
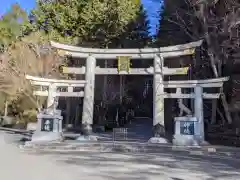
column 87, row 138
column 183, row 140
column 47, row 137
column 204, row 143
column 19, row 126
column 6, row 120
column 121, row 148
column 31, row 126
column 158, row 130
column 158, row 140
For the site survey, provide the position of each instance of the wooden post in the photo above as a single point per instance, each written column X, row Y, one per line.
column 68, row 107
column 158, row 102
column 105, row 83
column 87, row 117
column 6, row 108
column 68, row 110
column 214, row 111
column 198, row 110
column 76, row 115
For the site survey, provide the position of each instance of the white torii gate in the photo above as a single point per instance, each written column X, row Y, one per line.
column 158, row 71
column 49, row 126
column 52, row 91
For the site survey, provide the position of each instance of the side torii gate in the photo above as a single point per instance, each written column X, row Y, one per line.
column 49, row 125
column 52, row 89
column 158, row 71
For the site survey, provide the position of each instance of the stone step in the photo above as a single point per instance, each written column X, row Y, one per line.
column 123, row 147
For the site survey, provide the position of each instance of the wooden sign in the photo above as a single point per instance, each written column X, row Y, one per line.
column 124, row 63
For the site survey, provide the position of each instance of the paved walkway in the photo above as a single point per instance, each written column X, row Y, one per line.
column 168, row 165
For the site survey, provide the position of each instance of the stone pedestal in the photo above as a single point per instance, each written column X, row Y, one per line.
column 187, row 131
column 49, row 128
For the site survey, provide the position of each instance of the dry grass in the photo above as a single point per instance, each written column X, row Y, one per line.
column 31, row 55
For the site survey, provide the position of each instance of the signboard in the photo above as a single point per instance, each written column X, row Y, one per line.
column 187, row 127
column 47, row 124
column 183, row 70
column 124, row 63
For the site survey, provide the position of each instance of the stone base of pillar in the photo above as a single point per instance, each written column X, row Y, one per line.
column 159, row 130
column 188, row 140
column 87, row 138
column 159, row 135
column 87, row 133
column 86, row 129
column 158, row 140
column 47, row 137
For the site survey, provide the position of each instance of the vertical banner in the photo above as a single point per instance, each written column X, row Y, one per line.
column 124, row 63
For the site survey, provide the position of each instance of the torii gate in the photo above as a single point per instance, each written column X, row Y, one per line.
column 158, row 71
column 52, row 91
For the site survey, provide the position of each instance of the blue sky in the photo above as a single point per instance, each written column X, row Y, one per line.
column 152, row 7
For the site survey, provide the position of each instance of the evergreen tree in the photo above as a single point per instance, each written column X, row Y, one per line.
column 137, row 31
column 97, row 22
column 175, row 23
column 13, row 25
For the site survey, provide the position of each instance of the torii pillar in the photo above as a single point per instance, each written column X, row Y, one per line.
column 158, row 101
column 88, row 102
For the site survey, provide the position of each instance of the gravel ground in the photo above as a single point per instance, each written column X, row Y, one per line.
column 17, row 164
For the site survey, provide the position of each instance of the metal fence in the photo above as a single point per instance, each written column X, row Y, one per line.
column 120, row 134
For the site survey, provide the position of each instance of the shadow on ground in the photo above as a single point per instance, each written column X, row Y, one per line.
column 140, row 130
column 165, row 166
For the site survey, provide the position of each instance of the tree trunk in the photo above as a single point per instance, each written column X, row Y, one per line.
column 213, row 59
